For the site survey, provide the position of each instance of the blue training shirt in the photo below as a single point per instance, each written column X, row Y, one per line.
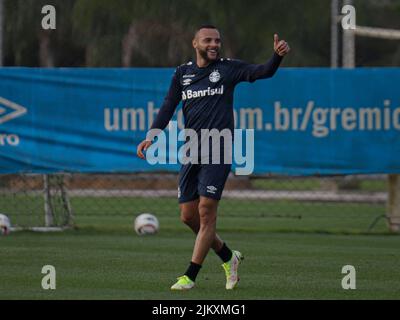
column 207, row 93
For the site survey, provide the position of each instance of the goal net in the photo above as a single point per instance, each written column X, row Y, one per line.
column 36, row 202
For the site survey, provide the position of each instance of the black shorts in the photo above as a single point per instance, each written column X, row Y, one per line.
column 206, row 180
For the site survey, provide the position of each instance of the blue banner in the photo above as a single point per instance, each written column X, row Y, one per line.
column 306, row 120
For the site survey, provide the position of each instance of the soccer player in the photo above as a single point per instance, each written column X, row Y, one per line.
column 206, row 89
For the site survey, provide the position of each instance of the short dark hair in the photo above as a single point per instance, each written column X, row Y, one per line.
column 205, row 26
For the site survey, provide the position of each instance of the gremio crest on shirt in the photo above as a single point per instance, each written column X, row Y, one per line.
column 214, row 76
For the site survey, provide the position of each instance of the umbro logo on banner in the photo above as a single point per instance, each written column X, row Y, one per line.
column 6, row 114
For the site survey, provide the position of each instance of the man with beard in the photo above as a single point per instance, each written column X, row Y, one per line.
column 206, row 89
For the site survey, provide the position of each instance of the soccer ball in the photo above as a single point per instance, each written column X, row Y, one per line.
column 5, row 225
column 146, row 223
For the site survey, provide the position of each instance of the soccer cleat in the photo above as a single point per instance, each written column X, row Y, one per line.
column 184, row 283
column 231, row 268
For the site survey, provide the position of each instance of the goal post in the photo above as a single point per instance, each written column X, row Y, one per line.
column 388, row 34
column 348, row 57
column 393, row 203
column 56, row 191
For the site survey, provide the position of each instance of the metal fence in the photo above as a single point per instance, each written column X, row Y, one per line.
column 264, row 203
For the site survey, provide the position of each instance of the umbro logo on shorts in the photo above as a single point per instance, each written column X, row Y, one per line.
column 211, row 189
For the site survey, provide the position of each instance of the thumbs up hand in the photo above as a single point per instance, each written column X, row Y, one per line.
column 280, row 46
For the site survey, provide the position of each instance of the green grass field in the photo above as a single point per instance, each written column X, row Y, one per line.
column 292, row 251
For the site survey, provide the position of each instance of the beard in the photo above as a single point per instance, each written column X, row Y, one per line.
column 204, row 55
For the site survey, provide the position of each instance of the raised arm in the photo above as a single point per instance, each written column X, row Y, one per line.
column 253, row 72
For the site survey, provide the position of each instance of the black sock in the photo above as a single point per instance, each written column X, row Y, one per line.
column 193, row 270
column 225, row 253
